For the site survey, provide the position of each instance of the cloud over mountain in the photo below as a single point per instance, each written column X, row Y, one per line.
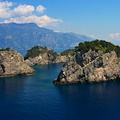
column 40, row 21
column 25, row 14
column 24, row 10
column 40, row 9
column 5, row 11
column 115, row 35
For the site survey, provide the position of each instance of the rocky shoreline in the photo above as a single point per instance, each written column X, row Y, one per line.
column 12, row 64
column 45, row 59
column 89, row 68
column 40, row 55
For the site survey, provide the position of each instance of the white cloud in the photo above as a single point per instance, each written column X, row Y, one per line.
column 114, row 36
column 24, row 10
column 5, row 4
column 5, row 11
column 25, row 14
column 40, row 9
column 92, row 36
column 40, row 21
column 57, row 31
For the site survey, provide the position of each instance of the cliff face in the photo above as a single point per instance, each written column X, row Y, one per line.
column 12, row 63
column 41, row 55
column 90, row 67
column 45, row 59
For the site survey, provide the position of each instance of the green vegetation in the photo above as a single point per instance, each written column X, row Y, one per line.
column 7, row 49
column 68, row 52
column 37, row 50
column 97, row 45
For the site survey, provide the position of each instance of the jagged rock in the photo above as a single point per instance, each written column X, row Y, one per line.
column 47, row 48
column 41, row 59
column 41, row 55
column 12, row 64
column 45, row 59
column 90, row 67
column 87, row 57
column 60, row 59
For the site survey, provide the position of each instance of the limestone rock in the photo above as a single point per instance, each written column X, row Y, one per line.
column 90, row 67
column 41, row 55
column 12, row 64
column 45, row 59
column 60, row 59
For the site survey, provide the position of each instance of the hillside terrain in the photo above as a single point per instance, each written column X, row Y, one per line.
column 93, row 61
column 43, row 55
column 22, row 37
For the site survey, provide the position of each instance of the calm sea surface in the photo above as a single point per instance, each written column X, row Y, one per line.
column 36, row 98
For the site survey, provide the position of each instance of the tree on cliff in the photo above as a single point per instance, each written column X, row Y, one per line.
column 97, row 45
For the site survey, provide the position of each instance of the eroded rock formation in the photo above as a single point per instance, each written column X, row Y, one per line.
column 12, row 64
column 90, row 67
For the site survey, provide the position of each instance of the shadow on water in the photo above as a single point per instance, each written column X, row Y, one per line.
column 36, row 98
column 48, row 67
column 92, row 101
column 11, row 86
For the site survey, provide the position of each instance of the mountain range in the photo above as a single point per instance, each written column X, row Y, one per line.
column 22, row 37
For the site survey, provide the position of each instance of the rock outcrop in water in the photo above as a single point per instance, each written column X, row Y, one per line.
column 45, row 59
column 90, row 67
column 41, row 55
column 12, row 64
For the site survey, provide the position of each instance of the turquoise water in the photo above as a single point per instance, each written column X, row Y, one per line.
column 36, row 98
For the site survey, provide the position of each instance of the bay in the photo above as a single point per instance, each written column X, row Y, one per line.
column 36, row 98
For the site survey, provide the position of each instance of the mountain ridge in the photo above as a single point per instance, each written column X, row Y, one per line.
column 23, row 37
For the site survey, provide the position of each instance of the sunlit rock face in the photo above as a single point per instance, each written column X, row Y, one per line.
column 12, row 64
column 90, row 67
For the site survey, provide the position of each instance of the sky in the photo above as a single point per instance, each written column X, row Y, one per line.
column 99, row 19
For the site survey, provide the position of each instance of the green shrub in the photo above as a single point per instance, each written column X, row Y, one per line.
column 97, row 45
column 37, row 50
column 68, row 52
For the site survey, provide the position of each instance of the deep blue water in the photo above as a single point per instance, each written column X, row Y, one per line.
column 36, row 98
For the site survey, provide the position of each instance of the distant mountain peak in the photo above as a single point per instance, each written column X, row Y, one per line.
column 22, row 37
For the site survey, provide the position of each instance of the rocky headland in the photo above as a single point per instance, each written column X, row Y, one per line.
column 41, row 55
column 99, row 64
column 12, row 64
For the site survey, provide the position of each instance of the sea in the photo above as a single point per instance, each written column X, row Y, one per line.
column 37, row 98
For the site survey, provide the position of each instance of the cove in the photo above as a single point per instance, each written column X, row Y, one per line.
column 37, row 98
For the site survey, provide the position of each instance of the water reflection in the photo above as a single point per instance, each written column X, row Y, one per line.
column 48, row 67
column 92, row 100
column 11, row 86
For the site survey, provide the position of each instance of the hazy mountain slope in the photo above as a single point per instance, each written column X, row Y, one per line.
column 22, row 37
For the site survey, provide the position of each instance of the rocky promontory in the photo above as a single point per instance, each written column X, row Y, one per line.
column 99, row 64
column 91, row 67
column 12, row 64
column 41, row 55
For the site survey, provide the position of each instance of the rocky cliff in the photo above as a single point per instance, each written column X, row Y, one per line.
column 41, row 55
column 12, row 64
column 45, row 59
column 90, row 67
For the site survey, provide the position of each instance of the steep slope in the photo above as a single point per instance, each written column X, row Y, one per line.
column 23, row 37
column 93, row 61
column 12, row 64
column 95, row 68
column 41, row 55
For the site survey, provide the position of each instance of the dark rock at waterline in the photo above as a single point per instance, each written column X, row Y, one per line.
column 90, row 67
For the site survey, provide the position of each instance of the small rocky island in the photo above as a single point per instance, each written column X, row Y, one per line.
column 41, row 55
column 12, row 64
column 94, row 61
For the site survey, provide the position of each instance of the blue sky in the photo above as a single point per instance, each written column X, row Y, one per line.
column 96, row 18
